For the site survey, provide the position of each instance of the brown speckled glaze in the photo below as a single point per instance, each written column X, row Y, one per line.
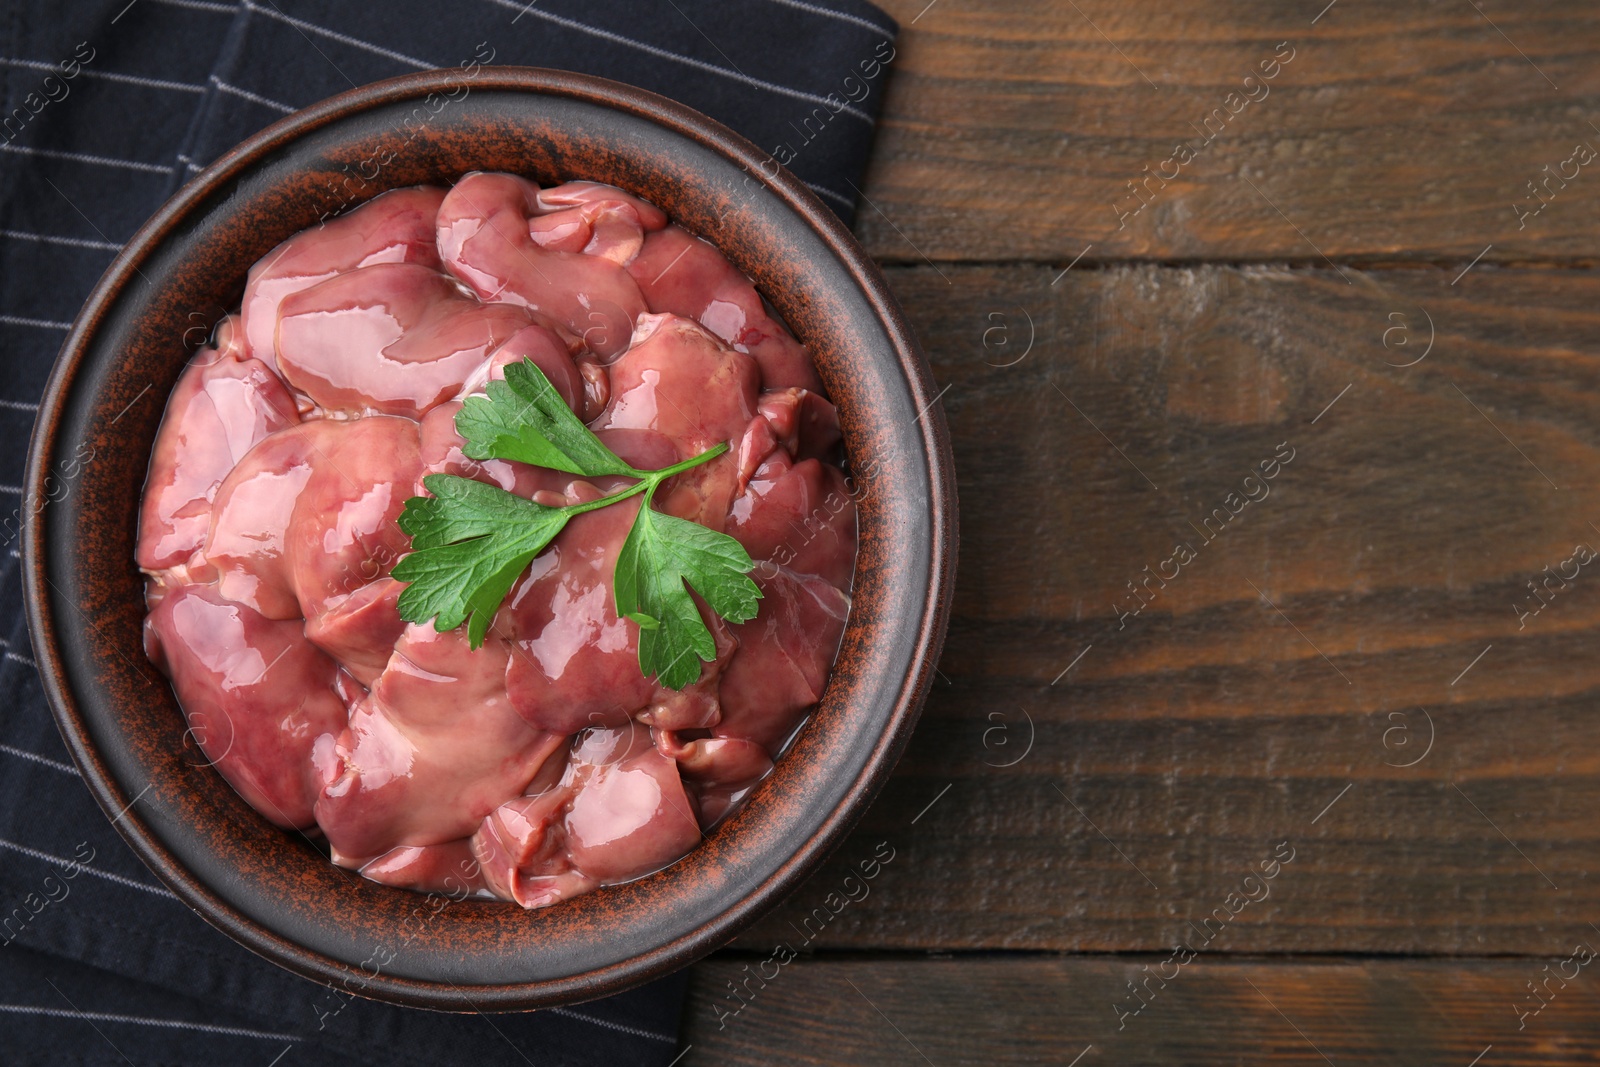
column 271, row 890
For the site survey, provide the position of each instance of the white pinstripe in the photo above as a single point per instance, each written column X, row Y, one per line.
column 830, row 194
column 18, row 657
column 18, row 405
column 131, row 883
column 698, row 64
column 842, row 16
column 245, row 94
column 108, row 75
column 135, row 1020
column 51, row 239
column 43, row 324
column 200, row 5
column 84, row 157
column 335, row 35
column 53, row 764
column 607, row 1024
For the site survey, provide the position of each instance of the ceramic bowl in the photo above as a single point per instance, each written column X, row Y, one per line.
column 271, row 890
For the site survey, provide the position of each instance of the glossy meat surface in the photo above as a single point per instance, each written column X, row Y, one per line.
column 259, row 697
column 682, row 382
column 545, row 763
column 681, row 274
column 619, row 810
column 431, row 749
column 309, row 514
column 485, row 241
column 396, row 227
column 391, row 339
column 221, row 407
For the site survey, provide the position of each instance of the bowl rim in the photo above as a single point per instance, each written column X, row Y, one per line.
column 715, row 930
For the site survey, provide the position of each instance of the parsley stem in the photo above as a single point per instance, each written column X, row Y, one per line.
column 648, row 480
column 678, row 468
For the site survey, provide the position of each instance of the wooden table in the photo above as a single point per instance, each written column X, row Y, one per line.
column 1374, row 272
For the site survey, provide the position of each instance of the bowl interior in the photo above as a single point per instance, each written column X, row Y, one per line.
column 274, row 891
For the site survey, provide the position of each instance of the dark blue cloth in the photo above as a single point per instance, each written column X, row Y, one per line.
column 98, row 963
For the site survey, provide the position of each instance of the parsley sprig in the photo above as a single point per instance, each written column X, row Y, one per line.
column 471, row 541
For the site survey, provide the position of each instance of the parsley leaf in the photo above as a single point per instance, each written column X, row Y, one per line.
column 524, row 419
column 471, row 541
column 661, row 554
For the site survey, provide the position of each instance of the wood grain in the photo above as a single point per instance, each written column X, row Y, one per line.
column 1351, row 668
column 1398, row 132
column 1274, row 690
column 1048, row 1011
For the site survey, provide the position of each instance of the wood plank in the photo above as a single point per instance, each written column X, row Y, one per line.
column 1274, row 690
column 1213, row 1011
column 1401, row 131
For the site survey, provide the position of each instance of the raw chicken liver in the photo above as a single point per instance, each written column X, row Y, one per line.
column 543, row 764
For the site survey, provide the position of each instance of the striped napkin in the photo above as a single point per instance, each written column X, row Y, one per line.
column 108, row 108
